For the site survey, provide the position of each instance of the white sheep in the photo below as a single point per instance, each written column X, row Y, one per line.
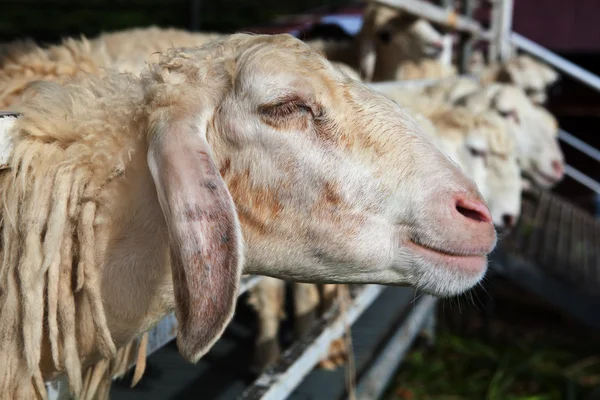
column 130, row 50
column 539, row 154
column 532, row 76
column 392, row 44
column 328, row 181
column 23, row 62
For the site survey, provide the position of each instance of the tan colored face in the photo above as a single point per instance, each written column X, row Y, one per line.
column 334, row 183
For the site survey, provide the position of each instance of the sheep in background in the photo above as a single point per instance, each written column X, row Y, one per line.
column 532, row 76
column 389, row 41
column 130, row 50
column 391, row 38
column 23, row 62
column 451, row 90
column 300, row 158
column 425, row 69
column 539, row 154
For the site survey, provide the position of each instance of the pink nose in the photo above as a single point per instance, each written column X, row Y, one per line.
column 473, row 210
column 558, row 168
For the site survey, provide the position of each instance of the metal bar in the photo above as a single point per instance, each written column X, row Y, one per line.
column 579, row 145
column 437, row 14
column 276, row 386
column 495, row 22
column 375, row 380
column 505, row 30
column 408, row 84
column 468, row 43
column 582, row 178
column 557, row 61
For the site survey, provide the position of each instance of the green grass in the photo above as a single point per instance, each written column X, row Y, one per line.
column 459, row 368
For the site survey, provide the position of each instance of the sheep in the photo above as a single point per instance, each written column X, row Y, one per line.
column 327, row 181
column 391, row 44
column 532, row 76
column 539, row 154
column 129, row 50
column 425, row 69
column 451, row 90
column 503, row 172
column 23, row 62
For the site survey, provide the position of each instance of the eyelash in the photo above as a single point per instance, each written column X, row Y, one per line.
column 477, row 153
column 285, row 109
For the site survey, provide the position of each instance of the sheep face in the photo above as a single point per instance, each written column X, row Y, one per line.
column 539, row 154
column 531, row 75
column 333, row 183
column 389, row 37
column 503, row 174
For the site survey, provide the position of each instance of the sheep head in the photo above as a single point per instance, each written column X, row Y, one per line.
column 332, row 182
column 389, row 36
column 503, row 172
column 539, row 154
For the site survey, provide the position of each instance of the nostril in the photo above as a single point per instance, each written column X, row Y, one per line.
column 557, row 167
column 474, row 210
column 508, row 220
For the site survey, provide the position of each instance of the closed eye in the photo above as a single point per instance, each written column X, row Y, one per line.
column 283, row 109
column 510, row 114
column 290, row 114
column 477, row 152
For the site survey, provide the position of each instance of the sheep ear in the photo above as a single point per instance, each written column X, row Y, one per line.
column 7, row 120
column 204, row 232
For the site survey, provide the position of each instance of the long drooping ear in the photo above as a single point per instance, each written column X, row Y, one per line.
column 204, row 231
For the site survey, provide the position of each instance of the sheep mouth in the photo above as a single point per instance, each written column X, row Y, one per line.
column 470, row 262
column 543, row 178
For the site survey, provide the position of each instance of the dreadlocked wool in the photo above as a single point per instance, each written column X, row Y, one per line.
column 64, row 156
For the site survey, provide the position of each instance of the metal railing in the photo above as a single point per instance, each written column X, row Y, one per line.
column 556, row 61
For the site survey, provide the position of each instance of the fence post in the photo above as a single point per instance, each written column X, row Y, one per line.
column 468, row 41
column 500, row 45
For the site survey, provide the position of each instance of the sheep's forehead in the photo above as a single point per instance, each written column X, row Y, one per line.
column 268, row 75
column 475, row 140
column 496, row 134
column 511, row 97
